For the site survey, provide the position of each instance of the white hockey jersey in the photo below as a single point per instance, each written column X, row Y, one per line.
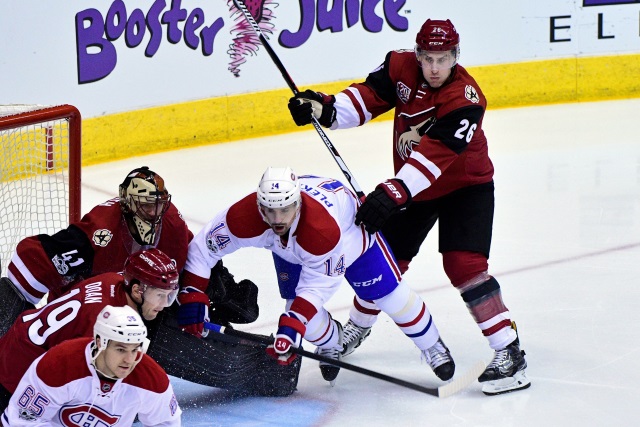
column 61, row 388
column 323, row 239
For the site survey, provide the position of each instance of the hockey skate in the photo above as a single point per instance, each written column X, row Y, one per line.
column 330, row 372
column 505, row 373
column 353, row 336
column 439, row 359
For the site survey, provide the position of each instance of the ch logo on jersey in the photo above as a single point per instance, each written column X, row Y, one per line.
column 217, row 241
column 411, row 138
column 471, row 94
column 86, row 416
column 403, row 92
column 102, row 237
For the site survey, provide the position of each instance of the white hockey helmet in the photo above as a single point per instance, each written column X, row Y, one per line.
column 278, row 188
column 121, row 324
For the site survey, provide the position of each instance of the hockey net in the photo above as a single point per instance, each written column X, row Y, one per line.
column 39, row 172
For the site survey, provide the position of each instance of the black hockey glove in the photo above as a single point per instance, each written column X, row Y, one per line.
column 309, row 103
column 231, row 302
column 388, row 198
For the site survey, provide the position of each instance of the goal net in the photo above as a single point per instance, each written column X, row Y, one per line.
column 39, row 172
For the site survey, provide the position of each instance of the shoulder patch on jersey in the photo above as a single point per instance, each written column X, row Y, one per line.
column 471, row 94
column 317, row 231
column 148, row 375
column 64, row 363
column 403, row 91
column 244, row 220
column 217, row 239
column 102, row 237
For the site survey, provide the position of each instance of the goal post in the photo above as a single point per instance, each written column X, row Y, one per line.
column 40, row 172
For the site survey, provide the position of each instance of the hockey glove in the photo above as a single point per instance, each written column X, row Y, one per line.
column 291, row 329
column 193, row 311
column 309, row 103
column 388, row 198
column 231, row 302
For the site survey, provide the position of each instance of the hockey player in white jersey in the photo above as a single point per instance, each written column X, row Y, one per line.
column 104, row 381
column 308, row 224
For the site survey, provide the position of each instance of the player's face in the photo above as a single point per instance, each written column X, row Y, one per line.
column 155, row 300
column 436, row 66
column 119, row 359
column 280, row 219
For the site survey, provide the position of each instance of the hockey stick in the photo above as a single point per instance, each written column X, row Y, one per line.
column 443, row 391
column 334, row 152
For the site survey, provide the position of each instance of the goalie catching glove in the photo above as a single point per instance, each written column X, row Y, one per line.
column 305, row 105
column 193, row 311
column 388, row 198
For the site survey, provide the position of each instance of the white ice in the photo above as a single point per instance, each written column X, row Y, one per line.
column 566, row 251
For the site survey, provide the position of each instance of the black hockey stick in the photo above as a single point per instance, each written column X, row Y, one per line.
column 334, row 152
column 443, row 391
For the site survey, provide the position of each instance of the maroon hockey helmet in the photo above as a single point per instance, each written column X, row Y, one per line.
column 151, row 267
column 437, row 35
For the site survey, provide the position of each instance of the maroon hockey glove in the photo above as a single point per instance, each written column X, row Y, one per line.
column 309, row 103
column 387, row 199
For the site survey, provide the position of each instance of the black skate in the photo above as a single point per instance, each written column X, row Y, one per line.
column 330, row 372
column 506, row 372
column 439, row 359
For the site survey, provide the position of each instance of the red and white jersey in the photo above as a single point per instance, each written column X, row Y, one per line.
column 438, row 142
column 99, row 243
column 70, row 316
column 323, row 239
column 62, row 388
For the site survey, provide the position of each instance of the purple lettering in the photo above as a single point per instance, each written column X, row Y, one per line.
column 392, row 15
column 93, row 66
column 307, row 18
column 194, row 21
column 116, row 20
column 370, row 21
column 208, row 35
column 136, row 27
column 330, row 19
column 153, row 22
column 171, row 17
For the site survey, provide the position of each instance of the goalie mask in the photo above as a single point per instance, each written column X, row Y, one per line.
column 279, row 198
column 144, row 200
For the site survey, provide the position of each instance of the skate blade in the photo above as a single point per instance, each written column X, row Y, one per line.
column 461, row 382
column 506, row 385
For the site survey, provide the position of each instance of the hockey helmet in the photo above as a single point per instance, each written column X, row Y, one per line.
column 120, row 324
column 437, row 36
column 152, row 268
column 144, row 200
column 278, row 188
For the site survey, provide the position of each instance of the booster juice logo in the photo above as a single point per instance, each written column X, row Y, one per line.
column 95, row 34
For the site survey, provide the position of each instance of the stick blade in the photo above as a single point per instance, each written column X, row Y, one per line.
column 462, row 381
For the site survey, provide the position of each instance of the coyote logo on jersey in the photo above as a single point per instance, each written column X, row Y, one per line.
column 471, row 94
column 406, row 141
column 102, row 237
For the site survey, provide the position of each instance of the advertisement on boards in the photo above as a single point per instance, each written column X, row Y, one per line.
column 108, row 56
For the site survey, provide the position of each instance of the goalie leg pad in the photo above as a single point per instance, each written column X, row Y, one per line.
column 220, row 361
column 13, row 303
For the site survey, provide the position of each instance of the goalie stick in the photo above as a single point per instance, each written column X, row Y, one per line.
column 332, row 149
column 445, row 390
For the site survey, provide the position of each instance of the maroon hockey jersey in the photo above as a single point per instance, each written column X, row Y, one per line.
column 438, row 142
column 99, row 243
column 70, row 316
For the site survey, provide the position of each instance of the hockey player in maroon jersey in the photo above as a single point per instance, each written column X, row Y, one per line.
column 149, row 284
column 106, row 380
column 442, row 172
column 307, row 223
column 142, row 217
